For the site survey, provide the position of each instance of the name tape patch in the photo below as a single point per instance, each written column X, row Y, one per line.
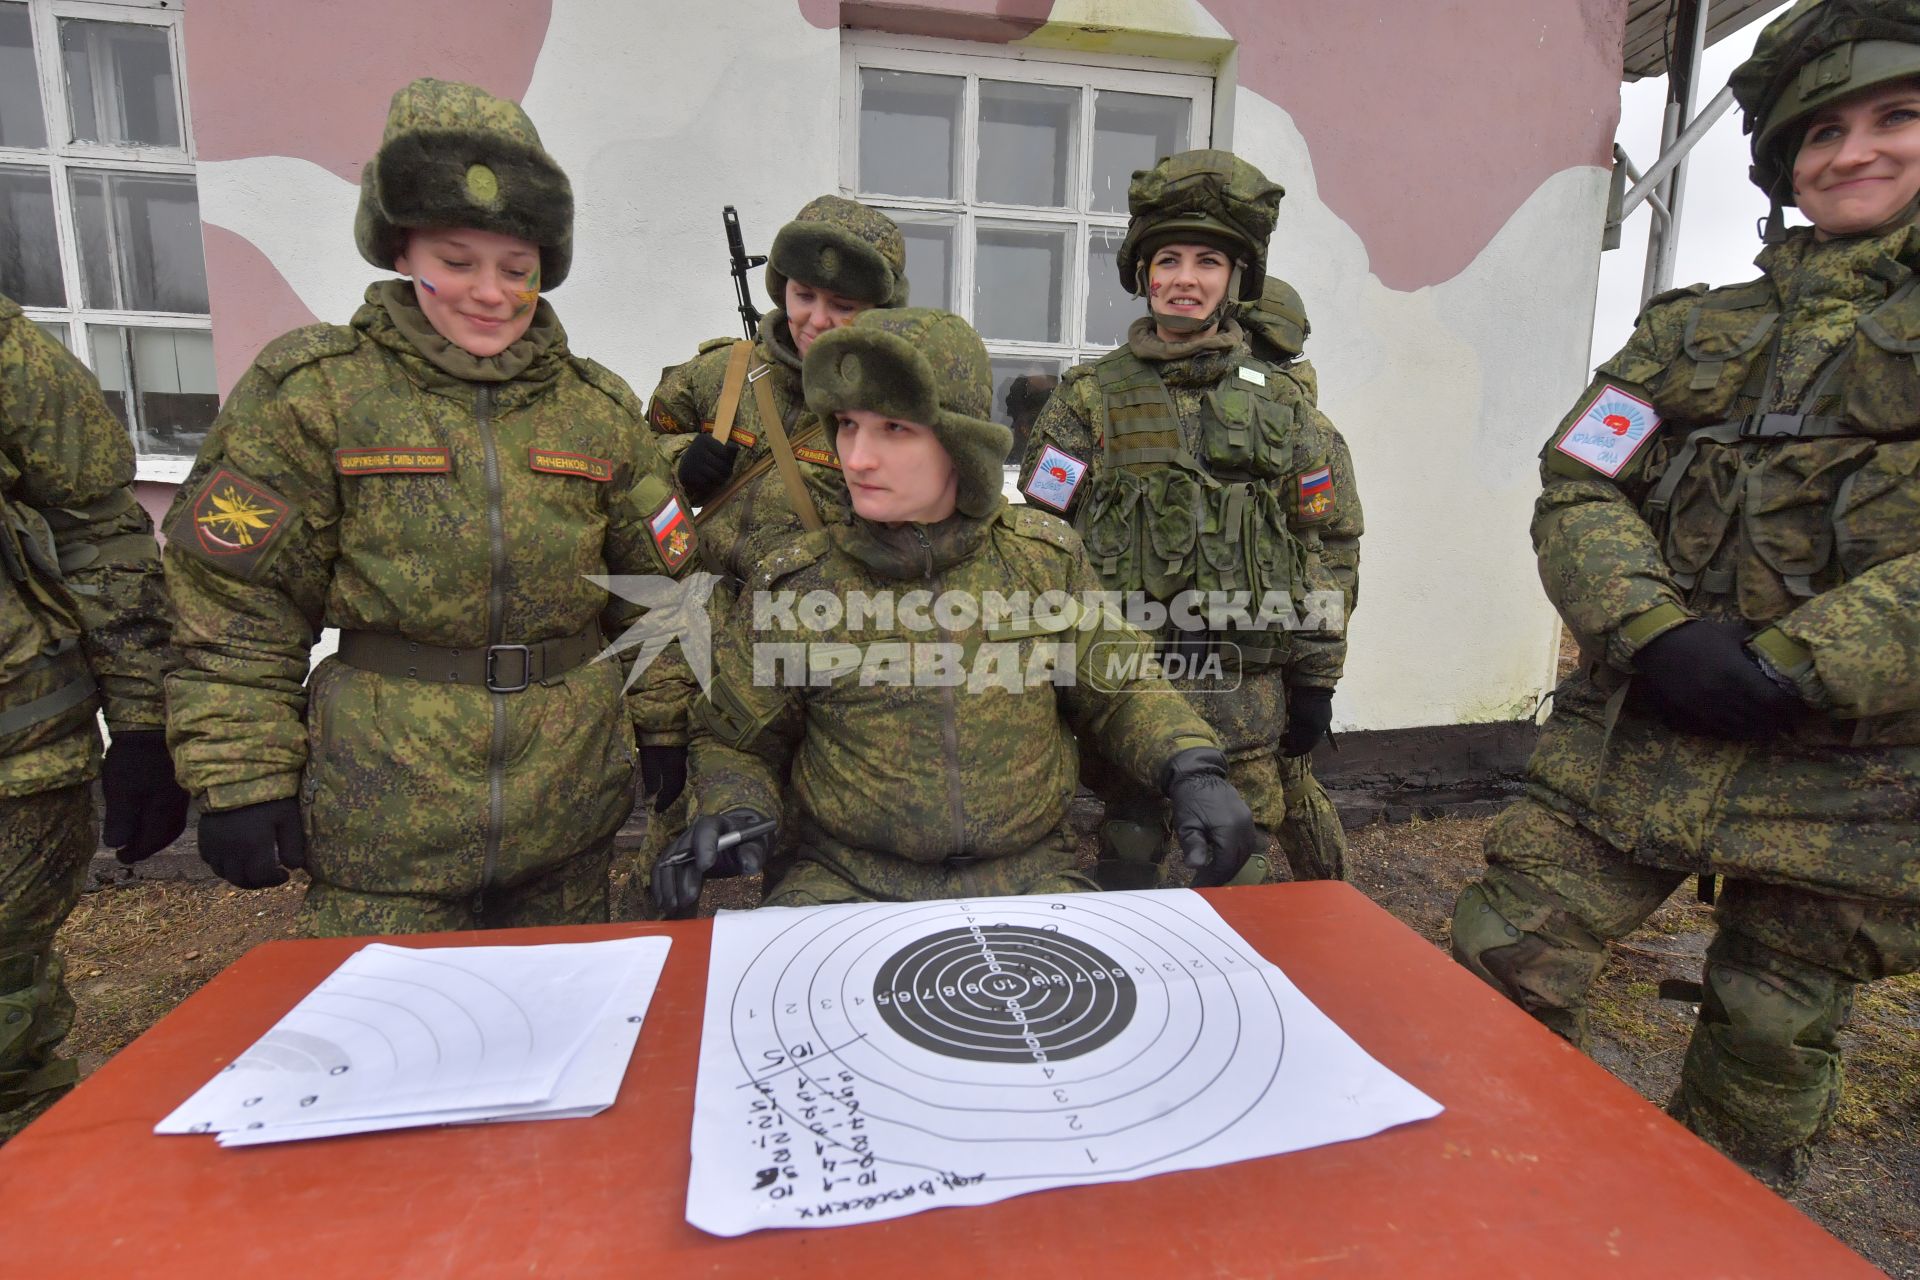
column 672, row 533
column 817, row 456
column 1055, row 479
column 553, row 462
column 1254, row 376
column 1316, row 493
column 1609, row 431
column 383, row 459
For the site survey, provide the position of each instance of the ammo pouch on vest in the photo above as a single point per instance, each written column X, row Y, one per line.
column 1159, row 521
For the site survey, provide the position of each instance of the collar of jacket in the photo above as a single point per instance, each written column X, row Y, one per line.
column 394, row 319
column 1190, row 362
column 1887, row 258
column 776, row 345
column 906, row 552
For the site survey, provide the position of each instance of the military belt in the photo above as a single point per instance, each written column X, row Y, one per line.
column 500, row 668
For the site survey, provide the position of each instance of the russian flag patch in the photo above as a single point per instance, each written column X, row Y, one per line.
column 672, row 533
column 1316, row 493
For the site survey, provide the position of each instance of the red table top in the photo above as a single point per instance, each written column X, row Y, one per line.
column 1542, row 1162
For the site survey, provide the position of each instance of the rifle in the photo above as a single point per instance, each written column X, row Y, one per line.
column 741, row 264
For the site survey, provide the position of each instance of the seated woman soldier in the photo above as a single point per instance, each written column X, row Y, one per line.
column 922, row 721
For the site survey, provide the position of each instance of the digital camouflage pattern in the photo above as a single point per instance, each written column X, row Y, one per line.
column 47, row 840
column 463, row 531
column 80, row 585
column 1293, row 438
column 82, row 628
column 903, row 791
column 1813, row 539
column 453, row 155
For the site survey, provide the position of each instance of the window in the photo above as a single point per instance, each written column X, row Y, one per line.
column 1008, row 175
column 99, row 218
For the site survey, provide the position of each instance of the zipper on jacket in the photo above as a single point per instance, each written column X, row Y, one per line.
column 496, row 615
column 949, row 721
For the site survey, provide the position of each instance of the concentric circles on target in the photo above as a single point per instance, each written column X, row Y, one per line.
column 1004, row 993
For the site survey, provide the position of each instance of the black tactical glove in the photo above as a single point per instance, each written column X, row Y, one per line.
column 248, row 847
column 697, row 854
column 1700, row 678
column 1309, row 716
column 663, row 774
column 1210, row 820
column 146, row 808
column 705, row 466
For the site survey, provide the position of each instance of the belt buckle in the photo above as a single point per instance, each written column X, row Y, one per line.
column 1771, row 426
column 526, row 667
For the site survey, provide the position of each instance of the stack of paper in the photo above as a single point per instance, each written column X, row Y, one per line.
column 399, row 1037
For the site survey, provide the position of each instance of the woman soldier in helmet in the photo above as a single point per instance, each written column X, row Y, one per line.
column 1201, row 478
column 908, row 752
column 758, row 485
column 1731, row 528
column 436, row 479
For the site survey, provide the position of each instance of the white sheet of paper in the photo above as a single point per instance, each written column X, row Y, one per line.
column 403, row 1036
column 859, row 1063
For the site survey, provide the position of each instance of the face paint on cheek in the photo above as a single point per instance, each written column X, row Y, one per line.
column 426, row 284
column 1153, row 288
column 525, row 298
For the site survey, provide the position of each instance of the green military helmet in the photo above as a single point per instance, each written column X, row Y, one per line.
column 456, row 156
column 1278, row 318
column 843, row 246
column 1816, row 53
column 1205, row 197
column 915, row 364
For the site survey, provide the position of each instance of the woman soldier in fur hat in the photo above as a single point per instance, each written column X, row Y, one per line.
column 919, row 741
column 1730, row 526
column 436, row 479
column 1201, row 476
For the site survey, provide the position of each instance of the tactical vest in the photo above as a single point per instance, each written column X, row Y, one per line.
column 1763, row 510
column 1160, row 520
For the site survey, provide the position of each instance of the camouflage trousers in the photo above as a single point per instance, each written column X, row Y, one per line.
column 575, row 892
column 46, row 841
column 1762, row 1072
column 821, row 872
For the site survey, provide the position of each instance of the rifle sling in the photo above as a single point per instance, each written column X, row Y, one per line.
column 778, row 443
column 730, row 388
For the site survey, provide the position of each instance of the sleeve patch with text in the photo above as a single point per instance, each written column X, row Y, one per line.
column 1609, row 431
column 1055, row 479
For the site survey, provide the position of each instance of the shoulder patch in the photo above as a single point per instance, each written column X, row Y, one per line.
column 303, row 346
column 232, row 520
column 1609, row 431
column 791, row 557
column 1056, row 478
column 1031, row 522
column 609, row 384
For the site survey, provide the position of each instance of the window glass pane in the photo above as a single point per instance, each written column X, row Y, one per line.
column 909, row 132
column 171, row 385
column 1026, row 142
column 1021, row 386
column 120, row 83
column 930, row 241
column 29, row 249
column 139, row 241
column 21, row 124
column 58, row 332
column 1017, row 277
column 1110, row 309
column 1132, row 131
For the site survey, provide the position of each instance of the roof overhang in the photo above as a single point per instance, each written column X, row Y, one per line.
column 1648, row 38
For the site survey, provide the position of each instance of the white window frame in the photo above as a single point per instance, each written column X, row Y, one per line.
column 1087, row 72
column 62, row 159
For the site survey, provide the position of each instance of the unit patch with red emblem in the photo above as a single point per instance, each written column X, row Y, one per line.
column 1055, row 479
column 672, row 533
column 1609, row 431
column 232, row 521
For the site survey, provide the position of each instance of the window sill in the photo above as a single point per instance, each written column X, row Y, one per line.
column 162, row 470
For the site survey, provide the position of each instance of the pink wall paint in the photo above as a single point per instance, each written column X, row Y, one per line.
column 156, row 498
column 313, row 80
column 1430, row 124
column 253, row 305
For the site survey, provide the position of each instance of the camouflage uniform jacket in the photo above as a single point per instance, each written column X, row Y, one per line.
column 885, row 757
column 352, row 481
column 1779, row 487
column 1206, row 388
column 82, row 610
column 750, row 517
